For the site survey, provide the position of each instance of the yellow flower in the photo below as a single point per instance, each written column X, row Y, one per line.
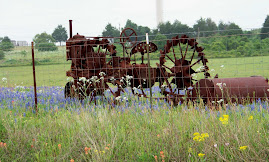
column 204, row 135
column 190, row 150
column 250, row 118
column 201, row 139
column 224, row 119
column 201, row 155
column 196, row 134
column 243, row 147
column 196, row 138
column 226, row 116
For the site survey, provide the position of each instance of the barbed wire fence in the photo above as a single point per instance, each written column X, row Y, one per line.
column 104, row 68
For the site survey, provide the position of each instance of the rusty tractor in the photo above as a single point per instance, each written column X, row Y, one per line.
column 97, row 67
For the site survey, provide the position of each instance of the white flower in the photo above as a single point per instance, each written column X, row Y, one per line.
column 219, row 84
column 125, row 98
column 221, row 100
column 267, row 90
column 213, row 101
column 226, row 144
column 212, row 70
column 222, row 66
column 118, row 98
column 215, row 145
column 83, row 79
column 4, row 79
column 102, row 73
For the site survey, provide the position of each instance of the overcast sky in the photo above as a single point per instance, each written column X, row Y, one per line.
column 23, row 19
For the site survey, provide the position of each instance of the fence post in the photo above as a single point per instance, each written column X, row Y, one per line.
column 150, row 90
column 33, row 62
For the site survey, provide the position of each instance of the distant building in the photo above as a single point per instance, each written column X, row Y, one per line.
column 22, row 43
column 13, row 42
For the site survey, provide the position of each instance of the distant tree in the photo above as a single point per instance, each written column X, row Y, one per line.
column 233, row 29
column 60, row 34
column 6, row 44
column 265, row 28
column 206, row 26
column 110, row 31
column 160, row 40
column 44, row 42
column 140, row 30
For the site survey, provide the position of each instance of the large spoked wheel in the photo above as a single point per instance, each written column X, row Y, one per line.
column 128, row 38
column 184, row 53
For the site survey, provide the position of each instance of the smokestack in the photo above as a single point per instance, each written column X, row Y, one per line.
column 159, row 11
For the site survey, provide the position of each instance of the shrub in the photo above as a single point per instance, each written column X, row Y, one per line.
column 46, row 47
column 2, row 55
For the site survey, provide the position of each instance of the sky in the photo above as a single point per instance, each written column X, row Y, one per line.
column 23, row 19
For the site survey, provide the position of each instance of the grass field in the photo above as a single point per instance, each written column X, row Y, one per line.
column 72, row 130
column 52, row 66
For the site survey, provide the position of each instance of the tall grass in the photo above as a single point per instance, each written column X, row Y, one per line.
column 135, row 134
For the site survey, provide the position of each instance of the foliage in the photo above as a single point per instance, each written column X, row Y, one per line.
column 6, row 44
column 60, row 34
column 67, row 129
column 160, row 41
column 2, row 54
column 207, row 27
column 265, row 28
column 44, row 42
column 110, row 31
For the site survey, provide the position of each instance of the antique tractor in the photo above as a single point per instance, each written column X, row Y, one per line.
column 96, row 67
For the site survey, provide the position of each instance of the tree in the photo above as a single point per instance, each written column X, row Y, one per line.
column 110, row 31
column 160, row 41
column 207, row 26
column 44, row 42
column 265, row 28
column 6, row 44
column 60, row 34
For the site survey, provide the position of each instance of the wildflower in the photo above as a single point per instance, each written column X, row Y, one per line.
column 108, row 144
column 267, row 90
column 201, row 155
column 204, row 135
column 215, row 145
column 190, row 150
column 1, row 144
column 196, row 134
column 222, row 66
column 59, row 146
column 86, row 150
column 250, row 118
column 196, row 138
column 106, row 148
column 72, row 160
column 227, row 144
column 4, row 79
column 221, row 100
column 161, row 152
column 156, row 158
column 95, row 151
column 224, row 119
column 158, row 135
column 32, row 146
column 243, row 147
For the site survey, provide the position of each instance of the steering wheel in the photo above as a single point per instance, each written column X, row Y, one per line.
column 128, row 37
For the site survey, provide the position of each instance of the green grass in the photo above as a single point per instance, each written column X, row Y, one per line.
column 55, row 74
column 134, row 136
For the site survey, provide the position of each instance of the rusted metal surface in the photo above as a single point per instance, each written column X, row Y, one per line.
column 224, row 90
column 33, row 62
column 96, row 64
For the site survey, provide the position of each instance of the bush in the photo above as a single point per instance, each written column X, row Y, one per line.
column 46, row 47
column 2, row 55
